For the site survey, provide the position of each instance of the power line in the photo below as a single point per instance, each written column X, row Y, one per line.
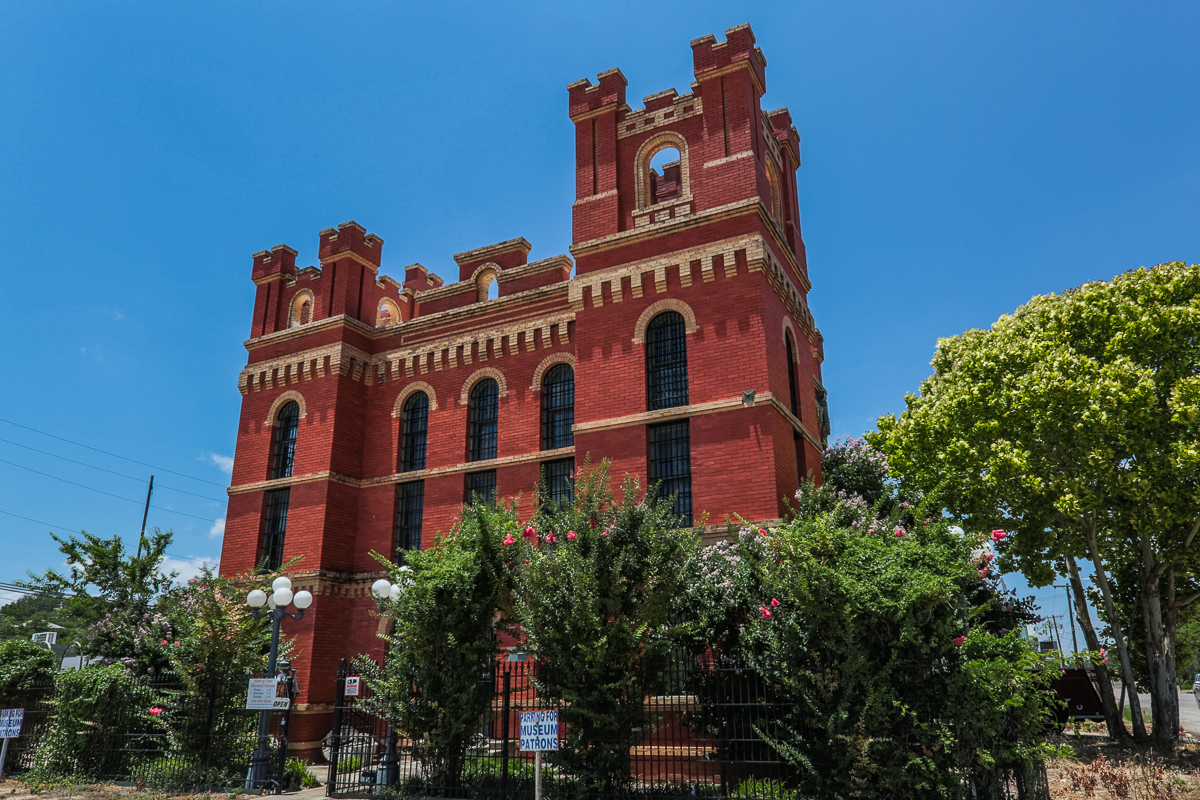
column 101, row 491
column 109, row 471
column 114, row 455
column 77, row 530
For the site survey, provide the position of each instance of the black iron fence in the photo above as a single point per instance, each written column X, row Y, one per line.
column 704, row 738
column 96, row 725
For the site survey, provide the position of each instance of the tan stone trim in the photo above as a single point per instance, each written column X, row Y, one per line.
column 657, row 229
column 471, row 466
column 601, row 111
column 549, row 361
column 295, row 480
column 282, row 400
column 642, row 120
column 731, row 68
column 393, row 309
column 476, row 377
column 408, row 391
column 654, row 309
column 350, row 254
column 590, row 198
column 667, row 414
column 534, row 267
column 339, row 358
column 287, row 334
column 488, row 251
column 727, row 159
column 794, row 420
column 786, row 328
column 294, row 308
column 482, row 277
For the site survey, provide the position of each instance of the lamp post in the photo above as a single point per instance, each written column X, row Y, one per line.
column 389, row 766
column 281, row 596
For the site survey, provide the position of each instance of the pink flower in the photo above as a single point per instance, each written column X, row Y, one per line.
column 998, row 535
column 550, row 538
column 164, row 641
column 509, row 540
column 530, row 532
column 762, row 532
column 959, row 641
column 983, row 573
column 774, row 603
column 154, row 712
column 1104, row 655
column 899, row 532
column 871, row 532
column 766, row 612
column 604, row 534
column 571, row 535
column 177, row 643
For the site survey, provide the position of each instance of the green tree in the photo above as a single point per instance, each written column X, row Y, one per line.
column 429, row 686
column 34, row 613
column 23, row 663
column 594, row 581
column 1075, row 423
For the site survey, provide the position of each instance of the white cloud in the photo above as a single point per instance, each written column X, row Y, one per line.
column 218, row 528
column 224, row 463
column 188, row 568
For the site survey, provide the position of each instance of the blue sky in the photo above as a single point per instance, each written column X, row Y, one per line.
column 958, row 159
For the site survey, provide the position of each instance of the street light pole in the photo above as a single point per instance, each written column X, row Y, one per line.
column 277, row 603
column 389, row 765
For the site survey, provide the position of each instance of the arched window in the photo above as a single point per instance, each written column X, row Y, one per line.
column 283, row 457
column 558, row 407
column 666, row 361
column 416, row 429
column 775, row 206
column 300, row 312
column 666, row 180
column 791, row 359
column 483, row 408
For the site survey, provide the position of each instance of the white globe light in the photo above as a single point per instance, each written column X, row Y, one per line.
column 270, row 601
column 283, row 597
column 381, row 589
column 282, row 582
column 396, row 592
column 256, row 598
column 302, row 600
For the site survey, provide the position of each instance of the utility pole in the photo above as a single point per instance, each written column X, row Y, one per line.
column 1071, row 614
column 1054, row 633
column 145, row 513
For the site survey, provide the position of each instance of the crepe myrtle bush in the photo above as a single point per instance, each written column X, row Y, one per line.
column 593, row 583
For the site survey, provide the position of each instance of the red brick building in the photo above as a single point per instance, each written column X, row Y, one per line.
column 682, row 349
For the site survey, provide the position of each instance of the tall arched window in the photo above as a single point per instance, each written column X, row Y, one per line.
column 284, row 454
column 416, row 429
column 791, row 359
column 666, row 362
column 558, row 407
column 483, row 409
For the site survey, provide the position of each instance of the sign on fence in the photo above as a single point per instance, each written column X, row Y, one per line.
column 262, row 695
column 539, row 730
column 352, row 684
column 10, row 722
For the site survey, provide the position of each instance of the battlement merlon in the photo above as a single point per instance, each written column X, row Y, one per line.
column 279, row 261
column 783, row 130
column 505, row 255
column 585, row 100
column 711, row 58
column 351, row 238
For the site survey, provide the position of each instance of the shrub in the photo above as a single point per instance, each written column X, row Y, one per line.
column 22, row 664
column 297, row 776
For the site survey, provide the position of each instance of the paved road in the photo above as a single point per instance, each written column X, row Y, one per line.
column 1189, row 711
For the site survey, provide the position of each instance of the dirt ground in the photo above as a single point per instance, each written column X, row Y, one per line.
column 1102, row 769
column 15, row 790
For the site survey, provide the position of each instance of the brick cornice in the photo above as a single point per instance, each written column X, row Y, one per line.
column 658, row 229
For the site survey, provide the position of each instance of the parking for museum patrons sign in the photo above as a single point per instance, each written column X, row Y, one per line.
column 539, row 730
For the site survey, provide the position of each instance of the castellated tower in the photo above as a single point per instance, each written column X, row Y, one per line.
column 683, row 350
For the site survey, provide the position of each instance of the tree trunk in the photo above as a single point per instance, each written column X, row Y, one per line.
column 1112, row 714
column 1160, row 659
column 1114, row 622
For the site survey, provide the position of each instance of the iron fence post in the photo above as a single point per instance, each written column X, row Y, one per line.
column 506, row 683
column 336, row 734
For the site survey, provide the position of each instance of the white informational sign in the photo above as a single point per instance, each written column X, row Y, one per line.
column 10, row 722
column 352, row 684
column 539, row 730
column 262, row 695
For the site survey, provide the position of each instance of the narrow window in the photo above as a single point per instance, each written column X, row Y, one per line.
column 410, row 508
column 557, row 475
column 481, row 485
column 671, row 466
column 416, row 430
column 558, row 407
column 666, row 362
column 275, row 527
column 284, row 454
column 664, row 172
column 481, row 435
column 791, row 359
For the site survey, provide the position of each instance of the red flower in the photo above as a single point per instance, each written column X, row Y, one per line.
column 509, row 540
column 154, row 712
column 871, row 532
column 550, row 538
column 571, row 535
column 177, row 644
column 959, row 641
column 164, row 641
column 530, row 532
column 983, row 573
column 774, row 603
column 998, row 535
column 766, row 612
column 899, row 532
